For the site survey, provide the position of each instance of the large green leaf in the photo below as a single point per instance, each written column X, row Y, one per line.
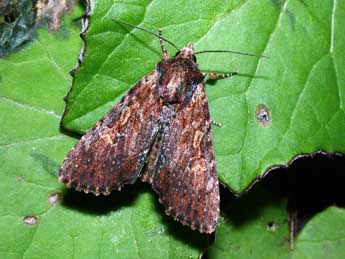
column 301, row 84
column 33, row 222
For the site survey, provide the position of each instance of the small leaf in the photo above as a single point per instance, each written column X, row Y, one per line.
column 323, row 236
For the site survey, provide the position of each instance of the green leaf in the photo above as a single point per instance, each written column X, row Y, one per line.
column 34, row 222
column 301, row 84
column 323, row 236
column 252, row 226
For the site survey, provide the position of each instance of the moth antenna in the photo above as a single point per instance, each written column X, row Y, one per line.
column 232, row 52
column 151, row 32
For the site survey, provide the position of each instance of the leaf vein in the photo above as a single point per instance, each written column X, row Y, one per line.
column 135, row 236
column 332, row 26
column 29, row 141
column 30, row 107
column 53, row 62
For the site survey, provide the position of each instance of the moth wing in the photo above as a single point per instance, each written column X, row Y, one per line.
column 185, row 176
column 113, row 152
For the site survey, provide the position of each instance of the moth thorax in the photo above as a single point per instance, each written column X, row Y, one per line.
column 176, row 75
column 172, row 87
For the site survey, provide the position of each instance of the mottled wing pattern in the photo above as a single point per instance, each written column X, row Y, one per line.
column 106, row 157
column 185, row 176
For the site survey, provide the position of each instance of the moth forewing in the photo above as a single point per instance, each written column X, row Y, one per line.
column 113, row 152
column 185, row 177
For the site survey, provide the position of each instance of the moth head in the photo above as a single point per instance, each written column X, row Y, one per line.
column 187, row 52
column 178, row 75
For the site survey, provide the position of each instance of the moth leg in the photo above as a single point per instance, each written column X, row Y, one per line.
column 215, row 76
column 165, row 54
column 216, row 123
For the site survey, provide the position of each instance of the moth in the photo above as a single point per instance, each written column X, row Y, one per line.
column 160, row 132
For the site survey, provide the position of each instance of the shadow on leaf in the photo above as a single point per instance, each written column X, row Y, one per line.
column 311, row 184
column 49, row 165
column 100, row 205
column 183, row 233
column 248, row 207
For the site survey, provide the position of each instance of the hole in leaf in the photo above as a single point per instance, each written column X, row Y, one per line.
column 54, row 198
column 271, row 226
column 30, row 220
column 263, row 116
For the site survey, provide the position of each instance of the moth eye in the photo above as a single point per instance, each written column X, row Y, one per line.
column 194, row 58
column 177, row 53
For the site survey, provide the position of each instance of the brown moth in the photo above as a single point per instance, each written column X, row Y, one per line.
column 161, row 132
